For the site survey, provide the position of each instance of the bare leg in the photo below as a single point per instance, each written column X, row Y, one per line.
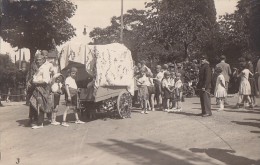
column 152, row 102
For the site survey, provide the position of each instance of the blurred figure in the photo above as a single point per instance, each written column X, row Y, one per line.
column 226, row 72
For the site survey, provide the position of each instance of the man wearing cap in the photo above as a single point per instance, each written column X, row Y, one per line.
column 226, row 71
column 39, row 92
column 204, row 85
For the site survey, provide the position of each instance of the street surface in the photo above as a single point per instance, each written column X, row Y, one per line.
column 229, row 137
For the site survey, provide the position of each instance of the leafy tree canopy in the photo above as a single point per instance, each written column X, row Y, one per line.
column 33, row 24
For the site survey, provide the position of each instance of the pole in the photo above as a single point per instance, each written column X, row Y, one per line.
column 122, row 22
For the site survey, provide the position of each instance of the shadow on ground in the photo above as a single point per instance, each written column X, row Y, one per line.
column 145, row 152
column 226, row 156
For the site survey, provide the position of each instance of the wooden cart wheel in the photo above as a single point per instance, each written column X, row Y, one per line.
column 124, row 104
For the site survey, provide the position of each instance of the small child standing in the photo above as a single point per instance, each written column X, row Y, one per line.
column 220, row 91
column 56, row 89
column 178, row 92
column 71, row 96
column 143, row 91
column 167, row 91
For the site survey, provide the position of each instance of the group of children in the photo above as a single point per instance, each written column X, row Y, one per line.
column 166, row 88
column 70, row 89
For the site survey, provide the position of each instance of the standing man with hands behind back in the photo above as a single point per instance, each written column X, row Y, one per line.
column 204, row 85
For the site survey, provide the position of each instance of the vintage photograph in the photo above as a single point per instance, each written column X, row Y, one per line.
column 130, row 82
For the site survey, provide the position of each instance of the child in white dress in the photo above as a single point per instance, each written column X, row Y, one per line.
column 220, row 91
column 244, row 87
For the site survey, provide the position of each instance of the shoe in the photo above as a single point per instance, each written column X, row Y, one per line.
column 37, row 126
column 166, row 110
column 79, row 122
column 206, row 115
column 220, row 110
column 65, row 124
column 153, row 109
column 55, row 123
column 142, row 112
column 179, row 109
column 237, row 106
column 146, row 112
column 251, row 106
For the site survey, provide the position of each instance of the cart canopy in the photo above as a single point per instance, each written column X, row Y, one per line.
column 109, row 65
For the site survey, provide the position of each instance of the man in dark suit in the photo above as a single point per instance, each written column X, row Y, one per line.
column 204, row 85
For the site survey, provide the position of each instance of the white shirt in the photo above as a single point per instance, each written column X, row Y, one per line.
column 143, row 81
column 71, row 82
column 160, row 76
column 56, row 87
column 42, row 74
column 178, row 84
column 50, row 68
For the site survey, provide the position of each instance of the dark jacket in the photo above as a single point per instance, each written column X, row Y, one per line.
column 204, row 77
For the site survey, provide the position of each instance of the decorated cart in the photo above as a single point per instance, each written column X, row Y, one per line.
column 105, row 78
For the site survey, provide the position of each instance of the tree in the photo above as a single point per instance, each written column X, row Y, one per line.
column 33, row 24
column 182, row 26
column 240, row 31
column 7, row 72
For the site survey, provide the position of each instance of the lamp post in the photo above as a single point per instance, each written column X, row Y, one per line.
column 85, row 53
column 122, row 22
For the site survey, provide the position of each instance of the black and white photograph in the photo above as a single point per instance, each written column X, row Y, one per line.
column 130, row 82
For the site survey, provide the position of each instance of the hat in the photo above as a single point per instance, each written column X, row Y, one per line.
column 167, row 73
column 52, row 54
column 165, row 66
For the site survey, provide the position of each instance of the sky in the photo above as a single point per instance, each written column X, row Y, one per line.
column 97, row 13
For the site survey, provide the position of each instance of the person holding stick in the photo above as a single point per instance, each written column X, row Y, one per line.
column 204, row 85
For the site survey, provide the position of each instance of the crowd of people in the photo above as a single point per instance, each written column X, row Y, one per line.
column 44, row 89
column 166, row 85
column 163, row 87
